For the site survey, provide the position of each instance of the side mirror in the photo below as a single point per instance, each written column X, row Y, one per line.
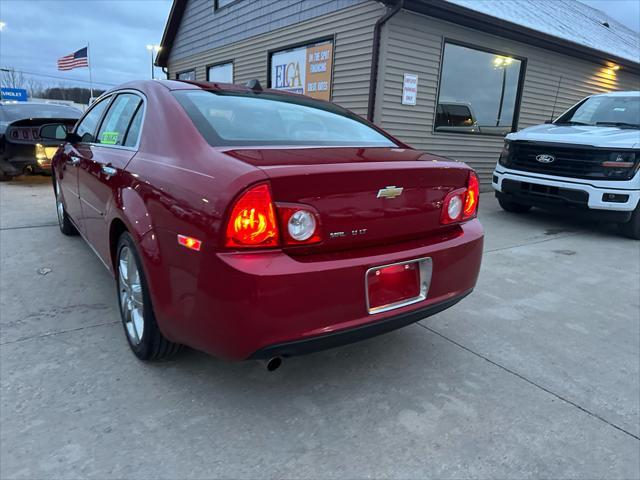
column 53, row 131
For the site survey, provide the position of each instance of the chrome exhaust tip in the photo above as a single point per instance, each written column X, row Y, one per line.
column 273, row 364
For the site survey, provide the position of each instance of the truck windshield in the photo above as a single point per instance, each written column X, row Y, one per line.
column 239, row 119
column 606, row 111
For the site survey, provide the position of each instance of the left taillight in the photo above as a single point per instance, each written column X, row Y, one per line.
column 299, row 224
column 461, row 204
column 252, row 223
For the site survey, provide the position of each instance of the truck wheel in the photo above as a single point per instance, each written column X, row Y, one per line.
column 513, row 207
column 631, row 229
column 139, row 321
column 66, row 227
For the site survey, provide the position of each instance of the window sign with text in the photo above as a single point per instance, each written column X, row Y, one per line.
column 409, row 89
column 222, row 73
column 306, row 70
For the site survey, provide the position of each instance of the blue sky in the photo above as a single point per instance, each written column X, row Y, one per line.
column 38, row 32
column 626, row 12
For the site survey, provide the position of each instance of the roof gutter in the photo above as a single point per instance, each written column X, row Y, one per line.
column 375, row 56
column 170, row 31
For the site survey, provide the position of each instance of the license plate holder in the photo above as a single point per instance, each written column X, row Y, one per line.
column 397, row 284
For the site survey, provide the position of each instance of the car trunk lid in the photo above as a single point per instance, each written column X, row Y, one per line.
column 364, row 196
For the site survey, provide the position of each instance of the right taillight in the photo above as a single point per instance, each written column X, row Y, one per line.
column 452, row 207
column 252, row 223
column 471, row 197
column 461, row 204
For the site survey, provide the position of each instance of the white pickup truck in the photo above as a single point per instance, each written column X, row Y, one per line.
column 586, row 160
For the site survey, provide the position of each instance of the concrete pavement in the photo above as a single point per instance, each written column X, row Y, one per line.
column 536, row 374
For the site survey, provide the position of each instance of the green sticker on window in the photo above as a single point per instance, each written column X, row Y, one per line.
column 109, row 138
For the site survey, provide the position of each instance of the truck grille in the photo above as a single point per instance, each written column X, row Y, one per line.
column 574, row 161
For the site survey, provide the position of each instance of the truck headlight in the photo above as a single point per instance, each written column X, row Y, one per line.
column 505, row 154
column 620, row 164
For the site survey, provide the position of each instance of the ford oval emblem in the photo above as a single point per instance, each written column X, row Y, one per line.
column 544, row 158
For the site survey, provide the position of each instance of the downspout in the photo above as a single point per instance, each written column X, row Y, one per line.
column 375, row 56
column 166, row 72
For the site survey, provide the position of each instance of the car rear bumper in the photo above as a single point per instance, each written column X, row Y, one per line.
column 247, row 305
column 549, row 191
column 351, row 335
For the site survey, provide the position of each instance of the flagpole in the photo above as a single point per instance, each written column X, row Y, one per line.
column 90, row 77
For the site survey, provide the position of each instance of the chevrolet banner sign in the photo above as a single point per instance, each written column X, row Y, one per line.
column 17, row 94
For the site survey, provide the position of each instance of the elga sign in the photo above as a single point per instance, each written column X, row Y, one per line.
column 305, row 70
column 19, row 94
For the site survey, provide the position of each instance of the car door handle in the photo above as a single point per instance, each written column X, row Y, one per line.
column 108, row 171
column 74, row 160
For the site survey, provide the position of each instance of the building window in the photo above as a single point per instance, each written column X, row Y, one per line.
column 478, row 91
column 221, row 3
column 188, row 75
column 305, row 69
column 222, row 72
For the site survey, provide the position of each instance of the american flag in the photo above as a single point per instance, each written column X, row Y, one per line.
column 74, row 60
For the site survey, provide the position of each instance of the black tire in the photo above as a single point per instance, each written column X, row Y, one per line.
column 631, row 229
column 64, row 222
column 150, row 345
column 513, row 207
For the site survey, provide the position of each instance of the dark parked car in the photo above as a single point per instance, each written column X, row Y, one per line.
column 21, row 148
column 250, row 223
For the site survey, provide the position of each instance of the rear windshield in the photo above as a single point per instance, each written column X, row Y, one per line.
column 602, row 110
column 17, row 111
column 231, row 118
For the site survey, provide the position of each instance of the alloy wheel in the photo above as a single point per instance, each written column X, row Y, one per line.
column 130, row 293
column 59, row 205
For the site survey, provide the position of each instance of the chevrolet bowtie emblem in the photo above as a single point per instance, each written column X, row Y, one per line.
column 390, row 192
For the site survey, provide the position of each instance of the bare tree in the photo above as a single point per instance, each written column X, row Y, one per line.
column 12, row 78
column 34, row 87
column 62, row 87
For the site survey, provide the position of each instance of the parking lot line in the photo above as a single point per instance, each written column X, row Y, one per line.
column 524, row 378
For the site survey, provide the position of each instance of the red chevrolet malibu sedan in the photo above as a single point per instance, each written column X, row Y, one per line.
column 251, row 223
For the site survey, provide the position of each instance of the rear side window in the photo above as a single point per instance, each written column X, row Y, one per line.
column 87, row 128
column 238, row 118
column 116, row 122
column 131, row 140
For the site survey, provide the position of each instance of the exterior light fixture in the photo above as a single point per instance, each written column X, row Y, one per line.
column 500, row 61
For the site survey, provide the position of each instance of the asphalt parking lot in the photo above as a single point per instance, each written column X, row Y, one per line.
column 535, row 375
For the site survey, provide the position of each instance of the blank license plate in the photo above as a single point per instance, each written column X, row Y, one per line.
column 397, row 285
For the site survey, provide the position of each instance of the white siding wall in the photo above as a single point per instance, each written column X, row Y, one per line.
column 203, row 28
column 353, row 30
column 412, row 43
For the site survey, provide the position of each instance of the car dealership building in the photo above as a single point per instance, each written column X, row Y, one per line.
column 451, row 77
